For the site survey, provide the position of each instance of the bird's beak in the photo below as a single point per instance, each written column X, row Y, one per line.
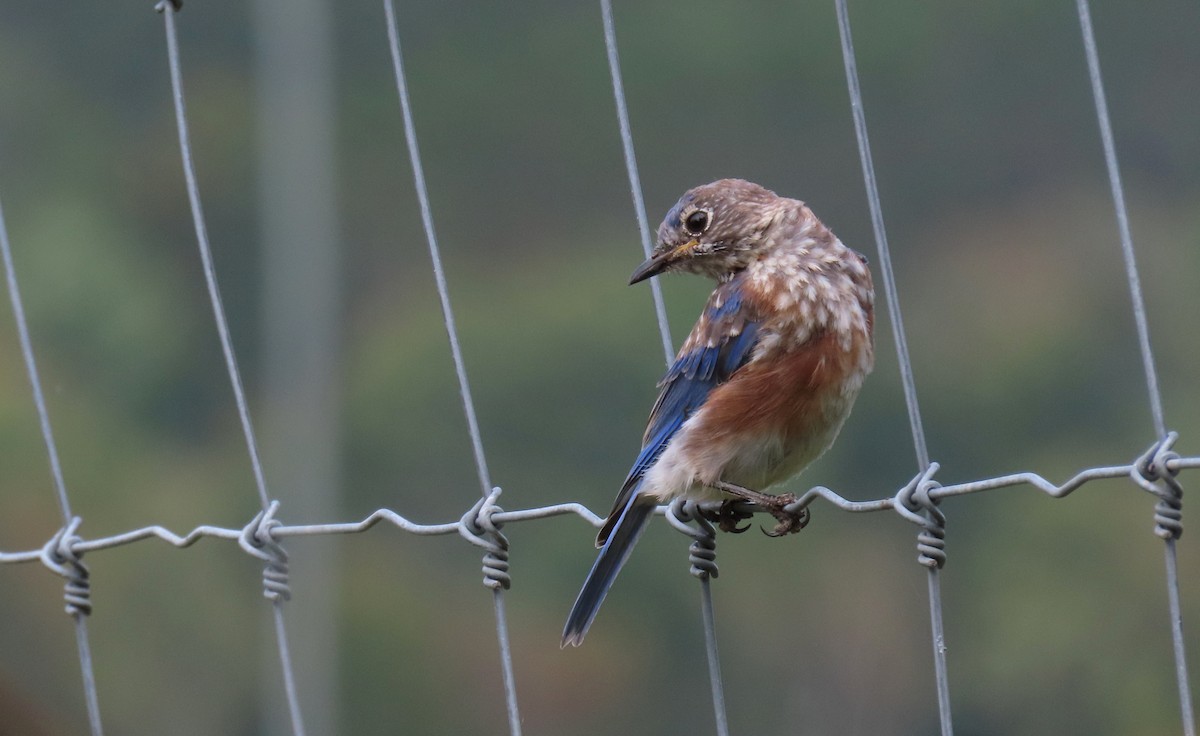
column 659, row 263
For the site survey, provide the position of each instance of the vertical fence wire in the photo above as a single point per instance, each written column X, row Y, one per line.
column 1181, row 669
column 83, row 644
column 631, row 168
column 82, row 641
column 714, row 661
column 891, row 293
column 1143, row 333
column 1118, row 195
column 414, row 154
column 39, row 398
column 639, row 207
column 168, row 10
column 906, row 373
column 439, row 273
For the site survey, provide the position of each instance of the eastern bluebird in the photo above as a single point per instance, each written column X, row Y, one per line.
column 764, row 381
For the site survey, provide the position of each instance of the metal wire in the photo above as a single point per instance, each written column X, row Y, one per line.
column 631, row 167
column 1181, row 669
column 703, row 565
column 1143, row 333
column 35, row 381
column 168, row 9
column 76, row 580
column 463, row 526
column 1118, row 196
column 906, row 373
column 715, row 684
column 439, row 273
column 664, row 329
column 703, row 557
column 414, row 154
column 891, row 293
column 486, row 517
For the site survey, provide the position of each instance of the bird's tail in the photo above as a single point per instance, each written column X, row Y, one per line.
column 608, row 563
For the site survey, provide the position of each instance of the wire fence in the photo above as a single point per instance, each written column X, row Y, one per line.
column 1154, row 470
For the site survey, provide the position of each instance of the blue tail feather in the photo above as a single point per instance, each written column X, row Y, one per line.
column 608, row 563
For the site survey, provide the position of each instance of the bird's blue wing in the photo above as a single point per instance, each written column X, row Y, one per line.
column 722, row 342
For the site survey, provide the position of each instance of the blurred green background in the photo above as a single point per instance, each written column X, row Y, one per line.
column 1014, row 298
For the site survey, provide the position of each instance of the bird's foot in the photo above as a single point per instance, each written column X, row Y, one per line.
column 788, row 521
column 729, row 515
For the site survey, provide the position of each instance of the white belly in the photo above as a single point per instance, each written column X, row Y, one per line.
column 756, row 462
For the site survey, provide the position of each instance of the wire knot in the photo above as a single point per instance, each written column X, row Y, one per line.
column 915, row 503
column 258, row 539
column 59, row 555
column 1153, row 471
column 702, row 553
column 480, row 521
column 176, row 6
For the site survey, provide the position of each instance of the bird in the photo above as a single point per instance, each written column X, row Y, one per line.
column 762, row 384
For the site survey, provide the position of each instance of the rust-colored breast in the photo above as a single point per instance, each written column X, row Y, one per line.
column 784, row 393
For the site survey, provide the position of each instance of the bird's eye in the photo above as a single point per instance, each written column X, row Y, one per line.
column 697, row 222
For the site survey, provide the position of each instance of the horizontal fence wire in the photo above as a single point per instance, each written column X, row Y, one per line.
column 1154, row 471
column 1159, row 459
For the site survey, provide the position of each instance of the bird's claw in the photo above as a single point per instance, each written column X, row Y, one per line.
column 789, row 522
column 729, row 516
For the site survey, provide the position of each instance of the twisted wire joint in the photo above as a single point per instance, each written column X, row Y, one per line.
column 1153, row 472
column 702, row 553
column 478, row 522
column 915, row 503
column 59, row 555
column 258, row 539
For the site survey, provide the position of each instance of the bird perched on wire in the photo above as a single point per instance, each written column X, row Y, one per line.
column 764, row 381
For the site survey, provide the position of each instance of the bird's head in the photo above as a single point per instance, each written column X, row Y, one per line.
column 715, row 230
